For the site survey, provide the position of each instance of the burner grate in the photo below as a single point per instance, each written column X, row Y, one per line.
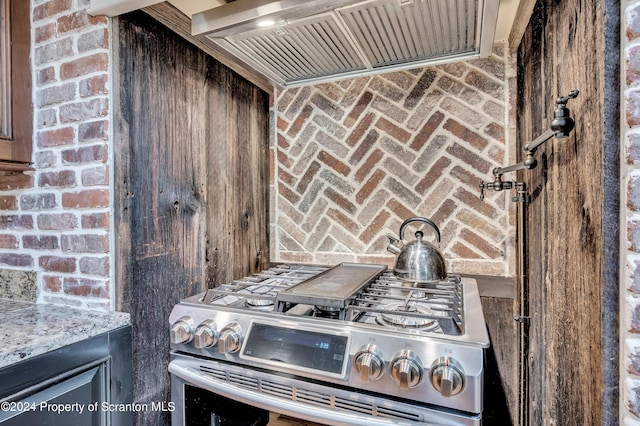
column 386, row 302
column 391, row 302
column 259, row 290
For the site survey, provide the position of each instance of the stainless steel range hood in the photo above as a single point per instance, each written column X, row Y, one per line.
column 316, row 41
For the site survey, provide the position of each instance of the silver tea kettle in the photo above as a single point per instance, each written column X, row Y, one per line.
column 417, row 261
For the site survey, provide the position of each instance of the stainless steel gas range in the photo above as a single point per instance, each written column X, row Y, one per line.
column 349, row 344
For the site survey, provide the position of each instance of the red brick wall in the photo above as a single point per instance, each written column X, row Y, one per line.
column 56, row 220
column 630, row 208
column 351, row 160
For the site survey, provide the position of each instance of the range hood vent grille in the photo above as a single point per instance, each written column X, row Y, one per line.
column 390, row 34
column 312, row 47
column 316, row 41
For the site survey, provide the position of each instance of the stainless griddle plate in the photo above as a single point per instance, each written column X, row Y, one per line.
column 334, row 287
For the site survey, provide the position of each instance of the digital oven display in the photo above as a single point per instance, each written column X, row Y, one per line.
column 302, row 348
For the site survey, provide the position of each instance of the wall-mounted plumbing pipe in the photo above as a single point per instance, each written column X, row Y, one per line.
column 560, row 127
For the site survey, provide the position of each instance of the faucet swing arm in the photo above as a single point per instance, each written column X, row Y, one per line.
column 560, row 127
column 499, row 185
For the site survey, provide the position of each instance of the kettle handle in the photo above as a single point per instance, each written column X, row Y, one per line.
column 419, row 219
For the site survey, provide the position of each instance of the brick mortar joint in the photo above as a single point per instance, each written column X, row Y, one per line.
column 630, row 44
column 82, row 167
column 634, row 172
column 73, row 34
column 631, row 90
column 74, row 8
column 484, row 73
column 61, row 83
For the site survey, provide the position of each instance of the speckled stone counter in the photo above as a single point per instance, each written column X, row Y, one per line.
column 30, row 329
column 18, row 285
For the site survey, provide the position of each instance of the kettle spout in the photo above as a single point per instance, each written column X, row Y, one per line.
column 394, row 244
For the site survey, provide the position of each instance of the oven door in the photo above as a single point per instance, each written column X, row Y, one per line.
column 196, row 406
column 294, row 397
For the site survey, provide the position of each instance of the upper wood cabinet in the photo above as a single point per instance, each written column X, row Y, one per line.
column 16, row 112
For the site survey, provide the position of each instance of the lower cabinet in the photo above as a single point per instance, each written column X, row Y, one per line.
column 75, row 400
column 87, row 383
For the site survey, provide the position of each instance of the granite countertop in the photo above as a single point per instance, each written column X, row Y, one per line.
column 30, row 329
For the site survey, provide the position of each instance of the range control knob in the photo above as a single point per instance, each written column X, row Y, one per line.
column 369, row 363
column 182, row 330
column 230, row 338
column 406, row 369
column 206, row 335
column 447, row 376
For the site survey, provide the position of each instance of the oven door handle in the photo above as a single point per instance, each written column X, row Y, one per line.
column 268, row 402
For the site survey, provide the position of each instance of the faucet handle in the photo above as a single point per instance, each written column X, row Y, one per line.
column 564, row 99
column 482, row 187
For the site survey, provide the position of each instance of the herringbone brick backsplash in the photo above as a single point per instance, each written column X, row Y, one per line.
column 351, row 160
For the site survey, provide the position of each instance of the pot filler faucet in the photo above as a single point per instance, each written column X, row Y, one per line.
column 560, row 127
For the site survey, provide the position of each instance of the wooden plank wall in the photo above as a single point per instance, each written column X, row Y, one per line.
column 191, row 185
column 500, row 380
column 571, row 223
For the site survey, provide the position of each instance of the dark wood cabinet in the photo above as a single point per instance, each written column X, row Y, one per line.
column 16, row 113
column 70, row 400
column 81, row 384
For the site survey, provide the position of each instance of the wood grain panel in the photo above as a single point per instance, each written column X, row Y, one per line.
column 568, row 242
column 500, row 381
column 191, row 185
column 173, row 18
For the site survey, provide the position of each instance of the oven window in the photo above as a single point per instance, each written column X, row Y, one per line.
column 203, row 408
